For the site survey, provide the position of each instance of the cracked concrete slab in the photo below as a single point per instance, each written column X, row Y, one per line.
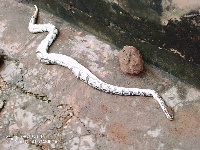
column 47, row 107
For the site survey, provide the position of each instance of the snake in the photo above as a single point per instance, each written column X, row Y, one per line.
column 82, row 72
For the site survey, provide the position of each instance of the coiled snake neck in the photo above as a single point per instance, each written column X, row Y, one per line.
column 80, row 71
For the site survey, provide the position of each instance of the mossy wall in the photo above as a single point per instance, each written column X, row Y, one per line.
column 173, row 46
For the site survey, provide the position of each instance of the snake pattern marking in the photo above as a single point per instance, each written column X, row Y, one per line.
column 80, row 71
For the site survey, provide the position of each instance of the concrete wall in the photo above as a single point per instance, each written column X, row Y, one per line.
column 166, row 32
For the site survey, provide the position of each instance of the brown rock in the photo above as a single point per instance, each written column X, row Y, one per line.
column 130, row 60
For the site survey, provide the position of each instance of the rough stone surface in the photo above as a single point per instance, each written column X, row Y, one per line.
column 46, row 107
column 130, row 60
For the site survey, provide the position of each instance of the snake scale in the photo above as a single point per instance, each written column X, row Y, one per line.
column 80, row 71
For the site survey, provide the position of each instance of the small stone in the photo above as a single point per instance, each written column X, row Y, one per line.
column 130, row 60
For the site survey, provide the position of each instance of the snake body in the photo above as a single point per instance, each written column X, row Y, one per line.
column 80, row 71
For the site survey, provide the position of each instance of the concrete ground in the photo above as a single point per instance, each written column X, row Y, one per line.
column 47, row 107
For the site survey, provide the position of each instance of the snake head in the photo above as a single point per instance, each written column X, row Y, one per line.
column 36, row 11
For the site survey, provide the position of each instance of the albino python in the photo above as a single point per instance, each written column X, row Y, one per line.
column 80, row 71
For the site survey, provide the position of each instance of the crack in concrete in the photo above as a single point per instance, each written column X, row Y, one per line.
column 23, row 91
column 20, row 85
column 89, row 131
column 37, row 96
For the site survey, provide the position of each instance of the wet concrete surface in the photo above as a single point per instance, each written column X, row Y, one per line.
column 47, row 107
